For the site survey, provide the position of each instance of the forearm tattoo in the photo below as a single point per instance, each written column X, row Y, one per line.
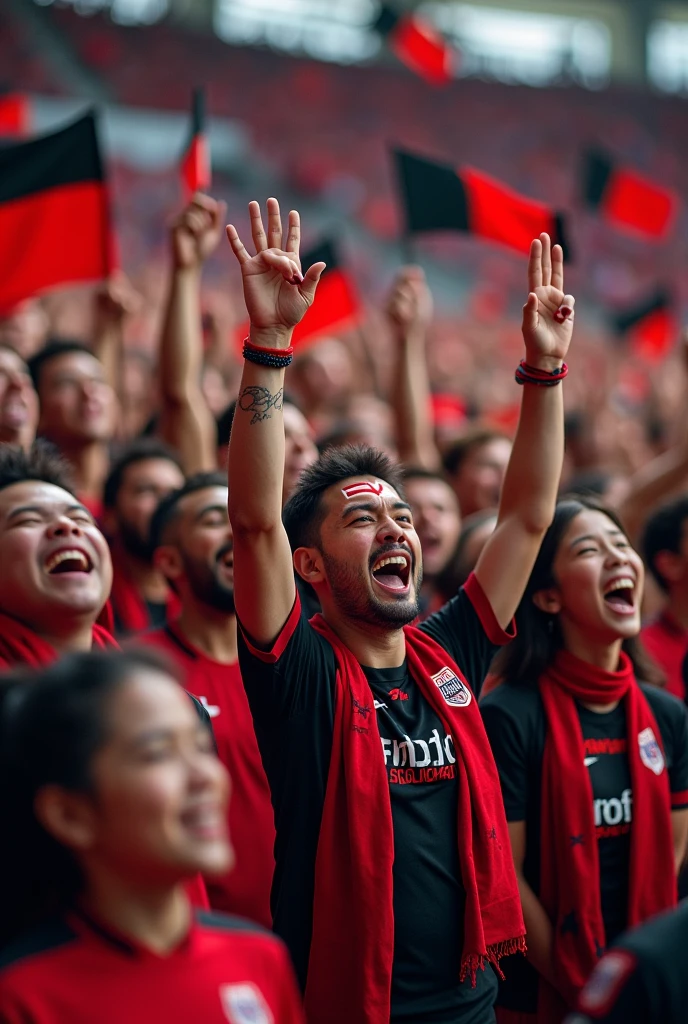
column 260, row 401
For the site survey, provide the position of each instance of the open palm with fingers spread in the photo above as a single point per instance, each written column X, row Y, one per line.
column 276, row 293
column 548, row 312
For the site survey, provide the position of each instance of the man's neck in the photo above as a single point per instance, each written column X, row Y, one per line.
column 70, row 640
column 22, row 438
column 677, row 607
column 89, row 462
column 150, row 583
column 372, row 646
column 155, row 917
column 211, row 631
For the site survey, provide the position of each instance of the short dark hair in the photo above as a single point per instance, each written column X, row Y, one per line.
column 42, row 462
column 459, row 451
column 53, row 348
column 167, row 509
column 140, row 450
column 303, row 513
column 663, row 533
column 52, row 724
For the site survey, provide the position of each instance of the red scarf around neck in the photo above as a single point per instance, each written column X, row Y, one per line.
column 570, row 875
column 19, row 645
column 352, row 946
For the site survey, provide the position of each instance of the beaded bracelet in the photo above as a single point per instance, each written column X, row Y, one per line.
column 277, row 358
column 543, row 378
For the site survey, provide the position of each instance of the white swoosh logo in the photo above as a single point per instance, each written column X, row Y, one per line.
column 379, row 704
column 588, row 761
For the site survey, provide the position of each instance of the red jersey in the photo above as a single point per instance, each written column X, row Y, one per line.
column 74, row 970
column 667, row 642
column 219, row 687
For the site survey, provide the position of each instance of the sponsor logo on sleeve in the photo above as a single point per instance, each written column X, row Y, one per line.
column 454, row 691
column 650, row 751
column 244, row 1004
column 606, row 981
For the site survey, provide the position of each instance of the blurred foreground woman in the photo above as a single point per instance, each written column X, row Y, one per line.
column 114, row 798
column 593, row 762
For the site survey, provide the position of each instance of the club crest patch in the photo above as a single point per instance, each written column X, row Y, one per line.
column 244, row 1004
column 606, row 981
column 650, row 751
column 454, row 691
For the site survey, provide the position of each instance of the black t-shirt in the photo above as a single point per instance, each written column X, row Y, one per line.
column 643, row 979
column 515, row 720
column 291, row 693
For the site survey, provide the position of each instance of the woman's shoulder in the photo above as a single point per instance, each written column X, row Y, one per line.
column 520, row 702
column 666, row 708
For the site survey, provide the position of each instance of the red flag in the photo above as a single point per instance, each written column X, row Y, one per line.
column 439, row 198
column 336, row 306
column 626, row 199
column 651, row 327
column 417, row 44
column 196, row 173
column 54, row 213
column 15, row 116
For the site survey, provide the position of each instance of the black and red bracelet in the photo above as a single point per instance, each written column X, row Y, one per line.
column 276, row 358
column 542, row 378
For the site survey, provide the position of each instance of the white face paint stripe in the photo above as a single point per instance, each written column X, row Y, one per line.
column 365, row 487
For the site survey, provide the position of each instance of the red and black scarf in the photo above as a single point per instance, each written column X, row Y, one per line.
column 352, row 946
column 19, row 645
column 570, row 877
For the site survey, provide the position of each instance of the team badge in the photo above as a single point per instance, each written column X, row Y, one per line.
column 454, row 691
column 244, row 1004
column 650, row 751
column 606, row 981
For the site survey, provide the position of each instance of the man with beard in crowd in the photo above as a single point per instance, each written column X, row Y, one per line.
column 394, row 881
column 18, row 400
column 144, row 474
column 192, row 538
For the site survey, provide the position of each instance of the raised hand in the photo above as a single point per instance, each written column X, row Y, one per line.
column 409, row 306
column 196, row 232
column 117, row 299
column 276, row 293
column 548, row 312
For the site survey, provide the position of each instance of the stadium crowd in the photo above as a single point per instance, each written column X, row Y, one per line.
column 343, row 678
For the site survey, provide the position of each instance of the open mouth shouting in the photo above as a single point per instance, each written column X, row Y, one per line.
column 619, row 595
column 68, row 562
column 392, row 572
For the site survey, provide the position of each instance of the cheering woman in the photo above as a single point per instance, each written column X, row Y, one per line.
column 593, row 762
column 115, row 798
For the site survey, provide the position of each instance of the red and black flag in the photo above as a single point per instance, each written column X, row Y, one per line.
column 626, row 199
column 417, row 44
column 336, row 306
column 438, row 197
column 196, row 173
column 15, row 115
column 651, row 327
column 54, row 213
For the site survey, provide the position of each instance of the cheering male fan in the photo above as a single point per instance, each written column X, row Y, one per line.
column 394, row 884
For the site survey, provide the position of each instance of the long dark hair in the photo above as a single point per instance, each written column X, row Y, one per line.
column 539, row 636
column 52, row 725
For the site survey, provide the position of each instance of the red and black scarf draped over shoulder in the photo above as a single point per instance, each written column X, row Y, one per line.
column 352, row 946
column 19, row 645
column 569, row 873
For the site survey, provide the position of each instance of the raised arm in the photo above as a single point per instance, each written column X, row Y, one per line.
column 277, row 297
column 116, row 300
column 186, row 422
column 530, row 487
column 409, row 311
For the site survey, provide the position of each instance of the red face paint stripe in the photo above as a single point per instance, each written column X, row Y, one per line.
column 363, row 488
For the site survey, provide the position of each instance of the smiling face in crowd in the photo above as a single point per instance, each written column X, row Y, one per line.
column 77, row 403
column 437, row 520
column 370, row 553
column 599, row 580
column 55, row 561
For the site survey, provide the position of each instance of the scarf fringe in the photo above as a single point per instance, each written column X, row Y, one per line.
column 474, row 962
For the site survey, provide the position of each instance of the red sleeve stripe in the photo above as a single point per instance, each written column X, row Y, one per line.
column 285, row 635
column 680, row 799
column 483, row 608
